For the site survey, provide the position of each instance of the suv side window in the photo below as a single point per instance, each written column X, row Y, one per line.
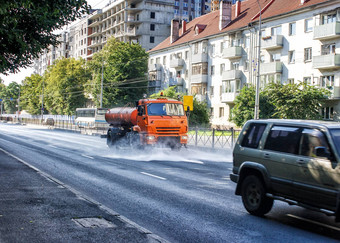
column 253, row 135
column 310, row 139
column 284, row 139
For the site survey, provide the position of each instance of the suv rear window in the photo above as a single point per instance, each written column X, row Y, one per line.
column 284, row 139
column 253, row 135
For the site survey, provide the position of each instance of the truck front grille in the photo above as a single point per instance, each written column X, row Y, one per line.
column 167, row 130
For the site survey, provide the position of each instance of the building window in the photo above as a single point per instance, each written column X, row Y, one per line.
column 152, row 15
column 185, row 5
column 292, row 28
column 234, row 65
column 211, row 91
column 291, row 56
column 212, row 70
column 176, row 3
column 246, row 65
column 276, row 30
column 275, row 57
column 327, row 113
column 269, row 78
column 164, row 60
column 221, row 112
column 200, row 68
column 221, row 47
column 158, row 60
column 290, row 81
column 152, row 39
column 232, row 86
column 152, row 27
column 328, row 49
column 199, row 89
column 196, row 48
column 327, row 81
column 186, row 55
column 307, row 80
column 222, row 68
column 212, row 49
column 308, row 54
column 308, row 25
column 329, row 18
column 247, row 42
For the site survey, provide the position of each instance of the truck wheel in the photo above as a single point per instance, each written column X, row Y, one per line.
column 254, row 196
column 108, row 139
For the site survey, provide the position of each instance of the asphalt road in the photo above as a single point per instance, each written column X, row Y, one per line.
column 183, row 196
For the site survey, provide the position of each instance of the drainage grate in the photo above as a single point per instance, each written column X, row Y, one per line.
column 94, row 223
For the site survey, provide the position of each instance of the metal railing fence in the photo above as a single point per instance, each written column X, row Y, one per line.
column 199, row 137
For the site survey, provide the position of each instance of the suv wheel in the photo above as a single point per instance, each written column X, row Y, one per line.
column 254, row 196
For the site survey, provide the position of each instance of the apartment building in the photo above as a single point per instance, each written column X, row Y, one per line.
column 146, row 22
column 53, row 53
column 215, row 55
column 189, row 9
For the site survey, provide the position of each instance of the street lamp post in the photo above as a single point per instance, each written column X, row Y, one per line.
column 42, row 103
column 101, row 85
column 257, row 94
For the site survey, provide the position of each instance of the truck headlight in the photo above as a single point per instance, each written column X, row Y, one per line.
column 184, row 137
column 150, row 137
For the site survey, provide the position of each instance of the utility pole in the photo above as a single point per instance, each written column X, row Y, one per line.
column 19, row 105
column 101, row 85
column 42, row 103
column 257, row 94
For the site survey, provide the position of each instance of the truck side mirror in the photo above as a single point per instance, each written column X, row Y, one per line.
column 140, row 110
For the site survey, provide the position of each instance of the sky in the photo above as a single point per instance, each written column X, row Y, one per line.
column 26, row 72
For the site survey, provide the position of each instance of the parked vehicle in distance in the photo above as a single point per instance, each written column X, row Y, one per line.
column 296, row 161
column 90, row 117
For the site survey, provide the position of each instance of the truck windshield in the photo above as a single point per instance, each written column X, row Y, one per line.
column 336, row 138
column 165, row 109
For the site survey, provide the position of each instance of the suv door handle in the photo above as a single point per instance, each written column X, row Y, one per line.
column 266, row 156
column 301, row 161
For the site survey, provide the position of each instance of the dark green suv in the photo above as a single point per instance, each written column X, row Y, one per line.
column 296, row 161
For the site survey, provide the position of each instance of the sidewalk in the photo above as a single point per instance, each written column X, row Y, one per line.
column 37, row 208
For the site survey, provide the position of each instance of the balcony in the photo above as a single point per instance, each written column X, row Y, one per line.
column 232, row 52
column 231, row 74
column 331, row 61
column 229, row 97
column 271, row 67
column 155, row 67
column 327, row 31
column 199, row 78
column 176, row 81
column 154, row 84
column 177, row 63
column 272, row 42
column 200, row 57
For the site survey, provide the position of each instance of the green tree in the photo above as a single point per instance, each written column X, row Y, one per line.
column 10, row 100
column 30, row 94
column 169, row 92
column 296, row 101
column 124, row 65
column 64, row 86
column 27, row 27
column 200, row 114
column 291, row 101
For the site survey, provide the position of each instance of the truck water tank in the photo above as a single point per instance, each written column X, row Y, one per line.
column 121, row 116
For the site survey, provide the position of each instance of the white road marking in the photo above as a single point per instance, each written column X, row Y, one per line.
column 52, row 146
column 314, row 222
column 86, row 156
column 158, row 177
